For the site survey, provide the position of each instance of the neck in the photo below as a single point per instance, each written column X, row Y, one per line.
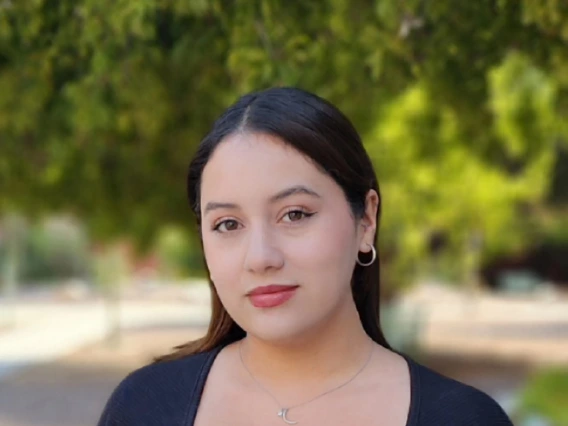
column 327, row 356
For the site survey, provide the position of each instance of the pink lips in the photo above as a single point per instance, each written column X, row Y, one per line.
column 271, row 295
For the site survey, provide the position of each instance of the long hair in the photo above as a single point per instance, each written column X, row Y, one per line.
column 317, row 129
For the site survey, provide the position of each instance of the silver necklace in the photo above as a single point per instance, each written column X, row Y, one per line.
column 283, row 413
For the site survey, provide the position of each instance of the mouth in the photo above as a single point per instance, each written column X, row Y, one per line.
column 272, row 295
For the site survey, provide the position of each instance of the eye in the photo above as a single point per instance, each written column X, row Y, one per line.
column 296, row 215
column 226, row 226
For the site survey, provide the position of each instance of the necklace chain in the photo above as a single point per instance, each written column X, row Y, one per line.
column 311, row 400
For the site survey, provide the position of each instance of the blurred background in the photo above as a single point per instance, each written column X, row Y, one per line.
column 463, row 108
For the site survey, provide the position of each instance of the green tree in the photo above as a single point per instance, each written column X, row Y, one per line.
column 102, row 103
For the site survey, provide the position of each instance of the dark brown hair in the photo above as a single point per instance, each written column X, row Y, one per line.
column 317, row 129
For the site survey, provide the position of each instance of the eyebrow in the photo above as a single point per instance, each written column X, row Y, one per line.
column 293, row 190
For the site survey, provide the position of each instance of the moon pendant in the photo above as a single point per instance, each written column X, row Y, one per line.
column 282, row 413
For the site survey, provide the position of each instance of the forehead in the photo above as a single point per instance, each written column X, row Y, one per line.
column 249, row 164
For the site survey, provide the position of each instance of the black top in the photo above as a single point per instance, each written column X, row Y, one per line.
column 168, row 394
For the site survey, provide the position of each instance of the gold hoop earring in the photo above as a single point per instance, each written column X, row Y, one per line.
column 373, row 257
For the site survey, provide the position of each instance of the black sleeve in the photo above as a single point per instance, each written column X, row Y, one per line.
column 158, row 394
column 467, row 406
column 111, row 412
column 444, row 401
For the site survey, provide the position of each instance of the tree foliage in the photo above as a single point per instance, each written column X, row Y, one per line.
column 461, row 104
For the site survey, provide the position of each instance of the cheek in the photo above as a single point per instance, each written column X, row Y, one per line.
column 222, row 261
column 325, row 249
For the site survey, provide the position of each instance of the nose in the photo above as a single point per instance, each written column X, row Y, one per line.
column 262, row 253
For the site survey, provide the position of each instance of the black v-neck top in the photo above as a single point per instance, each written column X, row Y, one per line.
column 168, row 394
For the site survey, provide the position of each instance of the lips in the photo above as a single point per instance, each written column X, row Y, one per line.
column 272, row 295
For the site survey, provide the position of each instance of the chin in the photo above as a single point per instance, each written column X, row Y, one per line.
column 280, row 331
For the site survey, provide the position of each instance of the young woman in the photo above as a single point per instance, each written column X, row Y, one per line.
column 288, row 207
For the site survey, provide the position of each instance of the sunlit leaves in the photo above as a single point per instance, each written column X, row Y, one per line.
column 461, row 104
column 522, row 99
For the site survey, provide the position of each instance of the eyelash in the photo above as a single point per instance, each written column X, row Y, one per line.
column 305, row 215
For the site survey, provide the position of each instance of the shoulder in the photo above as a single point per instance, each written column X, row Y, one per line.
column 158, row 393
column 437, row 400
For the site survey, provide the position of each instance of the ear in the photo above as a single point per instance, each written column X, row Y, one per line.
column 368, row 223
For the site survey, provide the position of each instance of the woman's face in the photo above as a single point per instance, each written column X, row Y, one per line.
column 271, row 218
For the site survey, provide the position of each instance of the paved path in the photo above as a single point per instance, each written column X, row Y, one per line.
column 524, row 330
column 72, row 391
column 451, row 323
column 46, row 331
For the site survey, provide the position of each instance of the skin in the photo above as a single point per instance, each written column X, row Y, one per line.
column 258, row 231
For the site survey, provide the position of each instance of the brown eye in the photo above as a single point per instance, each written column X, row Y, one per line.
column 227, row 225
column 231, row 225
column 295, row 215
